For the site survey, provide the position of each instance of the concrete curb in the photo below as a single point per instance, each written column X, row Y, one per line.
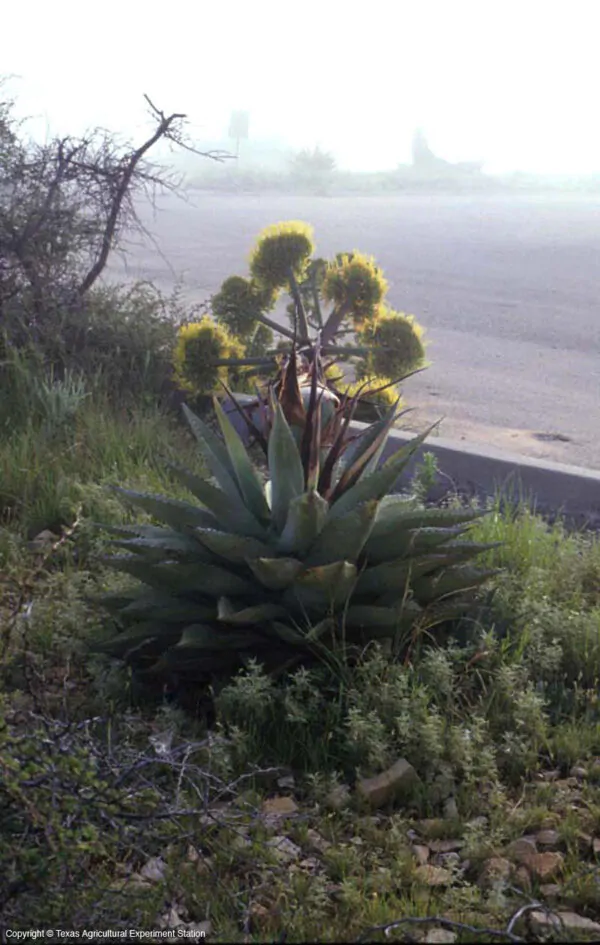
column 479, row 472
column 476, row 471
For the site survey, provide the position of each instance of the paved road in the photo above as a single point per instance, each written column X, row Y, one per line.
column 507, row 288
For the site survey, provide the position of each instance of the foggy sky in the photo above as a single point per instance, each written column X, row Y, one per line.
column 513, row 84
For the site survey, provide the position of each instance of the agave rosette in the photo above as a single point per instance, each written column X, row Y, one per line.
column 321, row 555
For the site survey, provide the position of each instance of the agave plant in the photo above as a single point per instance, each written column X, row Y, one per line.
column 320, row 558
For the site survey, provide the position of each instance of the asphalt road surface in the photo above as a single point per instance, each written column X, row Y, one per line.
column 507, row 288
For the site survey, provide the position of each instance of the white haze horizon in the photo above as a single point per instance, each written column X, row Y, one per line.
column 513, row 85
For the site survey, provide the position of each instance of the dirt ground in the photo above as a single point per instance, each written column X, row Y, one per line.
column 507, row 288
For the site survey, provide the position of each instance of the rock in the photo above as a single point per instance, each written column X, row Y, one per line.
column 519, row 849
column 421, row 853
column 547, row 838
column 154, row 870
column 440, row 936
column 523, row 879
column 550, row 890
column 446, row 846
column 596, row 846
column 276, row 809
column 434, row 875
column 579, row 772
column 478, row 823
column 541, row 921
column 316, row 841
column 450, row 811
column 385, row 787
column 553, row 775
column 42, row 542
column 284, row 849
column 495, row 871
column 544, row 865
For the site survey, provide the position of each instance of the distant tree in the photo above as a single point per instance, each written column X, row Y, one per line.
column 422, row 154
column 313, row 168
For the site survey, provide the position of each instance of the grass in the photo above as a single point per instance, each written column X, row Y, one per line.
column 118, row 810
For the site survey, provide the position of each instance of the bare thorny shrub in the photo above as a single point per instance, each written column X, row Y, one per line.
column 65, row 205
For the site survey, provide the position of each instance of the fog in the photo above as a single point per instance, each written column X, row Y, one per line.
column 509, row 84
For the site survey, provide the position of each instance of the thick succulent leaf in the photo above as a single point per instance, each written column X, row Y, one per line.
column 179, row 515
column 306, row 517
column 232, row 547
column 229, row 612
column 453, row 580
column 159, row 548
column 152, row 636
column 365, row 448
column 397, row 512
column 380, row 482
column 402, row 542
column 194, row 664
column 322, row 589
column 369, row 615
column 321, row 629
column 275, row 573
column 288, row 634
column 214, row 638
column 285, row 468
column 214, row 454
column 142, row 531
column 168, row 609
column 450, row 609
column 227, row 511
column 198, row 579
column 343, row 536
column 391, row 576
column 247, row 478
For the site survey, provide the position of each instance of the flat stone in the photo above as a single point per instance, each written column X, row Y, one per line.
column 547, row 838
column 421, row 853
column 553, row 775
column 544, row 865
column 478, row 823
column 387, row 786
column 540, row 922
column 440, row 937
column 446, row 846
column 284, row 849
column 523, row 879
column 550, row 890
column 316, row 841
column 154, row 870
column 519, row 849
column 434, row 875
column 277, row 807
column 579, row 772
